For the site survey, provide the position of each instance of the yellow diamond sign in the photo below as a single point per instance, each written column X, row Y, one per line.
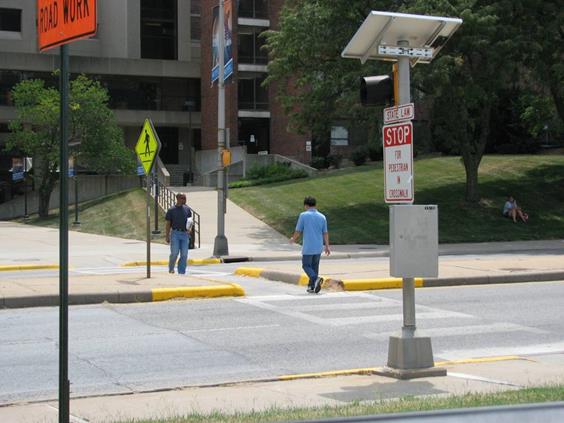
column 148, row 146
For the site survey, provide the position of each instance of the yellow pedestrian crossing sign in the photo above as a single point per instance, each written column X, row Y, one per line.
column 148, row 146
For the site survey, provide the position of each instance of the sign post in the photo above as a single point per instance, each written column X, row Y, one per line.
column 58, row 25
column 406, row 39
column 147, row 149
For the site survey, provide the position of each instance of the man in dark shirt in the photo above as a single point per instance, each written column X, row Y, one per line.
column 177, row 233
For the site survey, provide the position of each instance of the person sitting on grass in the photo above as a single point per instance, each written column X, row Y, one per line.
column 512, row 210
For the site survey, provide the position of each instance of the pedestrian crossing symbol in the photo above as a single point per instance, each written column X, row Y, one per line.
column 148, row 146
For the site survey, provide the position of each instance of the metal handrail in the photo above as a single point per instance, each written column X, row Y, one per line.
column 167, row 199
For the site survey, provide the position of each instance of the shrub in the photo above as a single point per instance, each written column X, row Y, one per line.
column 319, row 162
column 375, row 152
column 276, row 172
column 358, row 156
column 334, row 160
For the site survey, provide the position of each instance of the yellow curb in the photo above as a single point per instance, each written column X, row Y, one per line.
column 370, row 370
column 161, row 294
column 328, row 374
column 480, row 360
column 193, row 262
column 249, row 271
column 211, row 260
column 382, row 283
column 304, row 280
column 9, row 267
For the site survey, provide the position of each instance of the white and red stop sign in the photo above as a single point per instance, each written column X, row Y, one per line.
column 398, row 162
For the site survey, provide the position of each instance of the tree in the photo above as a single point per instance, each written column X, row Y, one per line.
column 462, row 85
column 314, row 84
column 35, row 132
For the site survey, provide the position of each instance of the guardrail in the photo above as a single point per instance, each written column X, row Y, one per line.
column 167, row 199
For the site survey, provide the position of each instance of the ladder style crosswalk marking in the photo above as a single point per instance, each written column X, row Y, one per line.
column 396, row 317
column 462, row 330
column 385, row 310
column 556, row 347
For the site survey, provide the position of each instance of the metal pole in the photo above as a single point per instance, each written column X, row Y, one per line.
column 64, row 242
column 26, row 216
column 408, row 285
column 156, row 184
column 220, row 247
column 148, row 185
column 76, row 221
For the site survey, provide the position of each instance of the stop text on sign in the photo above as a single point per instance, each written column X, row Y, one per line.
column 62, row 21
column 399, row 134
column 398, row 162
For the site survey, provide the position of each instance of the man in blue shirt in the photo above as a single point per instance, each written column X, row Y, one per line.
column 177, row 233
column 313, row 226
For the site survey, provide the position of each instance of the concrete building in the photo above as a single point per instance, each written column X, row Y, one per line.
column 154, row 57
column 146, row 53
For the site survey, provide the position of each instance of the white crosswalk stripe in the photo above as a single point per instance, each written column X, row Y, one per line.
column 385, row 310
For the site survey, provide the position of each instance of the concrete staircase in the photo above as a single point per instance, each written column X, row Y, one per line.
column 177, row 174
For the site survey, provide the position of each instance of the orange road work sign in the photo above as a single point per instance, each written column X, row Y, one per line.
column 62, row 21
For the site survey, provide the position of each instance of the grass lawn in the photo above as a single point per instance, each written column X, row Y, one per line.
column 353, row 200
column 522, row 396
column 121, row 215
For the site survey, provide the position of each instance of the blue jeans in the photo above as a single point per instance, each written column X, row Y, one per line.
column 310, row 264
column 178, row 244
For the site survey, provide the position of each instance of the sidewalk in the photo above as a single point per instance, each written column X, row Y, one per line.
column 252, row 241
column 293, row 391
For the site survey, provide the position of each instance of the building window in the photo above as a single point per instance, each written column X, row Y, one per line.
column 146, row 93
column 250, row 46
column 339, row 135
column 257, row 9
column 158, row 29
column 10, row 20
column 252, row 95
column 195, row 14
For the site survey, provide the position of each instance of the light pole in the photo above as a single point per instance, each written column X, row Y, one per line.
column 74, row 145
column 26, row 216
column 221, row 247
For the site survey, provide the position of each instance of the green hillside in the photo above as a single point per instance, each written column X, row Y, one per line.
column 352, row 200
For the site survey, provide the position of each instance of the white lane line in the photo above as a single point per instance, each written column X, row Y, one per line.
column 232, row 328
column 358, row 320
column 345, row 306
column 280, row 310
column 557, row 347
column 462, row 330
column 290, row 297
column 127, row 270
column 483, row 379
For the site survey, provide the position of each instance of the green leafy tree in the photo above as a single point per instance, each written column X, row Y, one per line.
column 35, row 132
column 313, row 83
column 463, row 85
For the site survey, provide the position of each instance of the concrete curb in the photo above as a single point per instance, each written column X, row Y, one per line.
column 193, row 262
column 155, row 294
column 14, row 267
column 393, row 283
column 229, row 290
